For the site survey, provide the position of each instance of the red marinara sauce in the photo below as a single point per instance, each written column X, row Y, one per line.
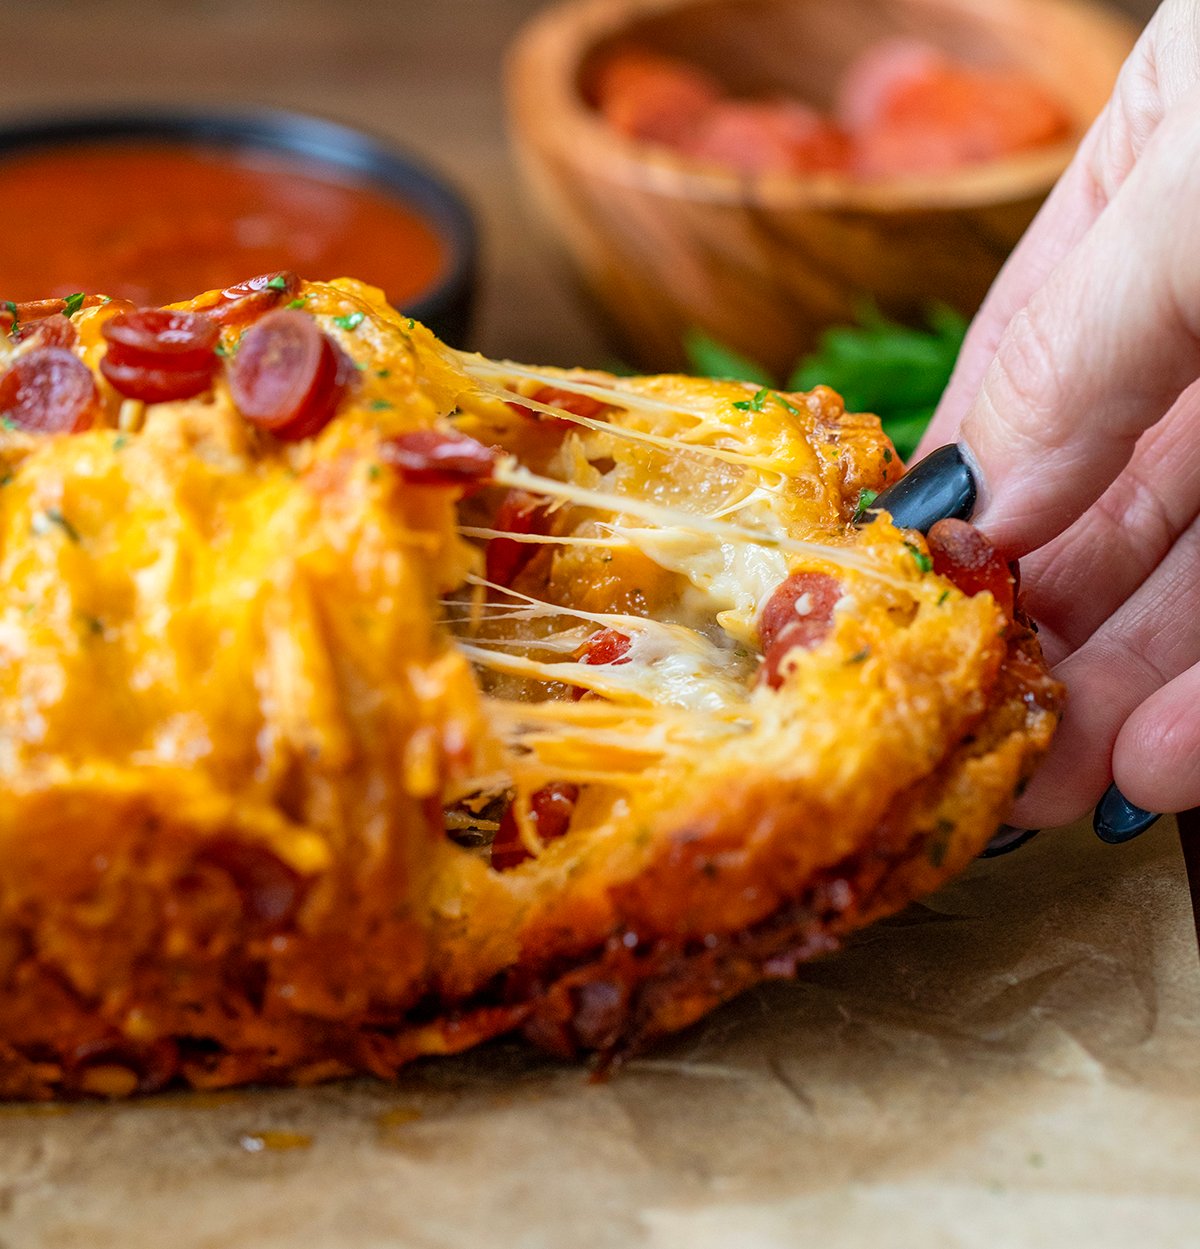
column 155, row 222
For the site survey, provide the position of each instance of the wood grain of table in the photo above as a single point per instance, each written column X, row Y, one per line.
column 423, row 74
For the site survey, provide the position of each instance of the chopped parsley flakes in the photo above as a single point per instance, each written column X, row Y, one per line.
column 923, row 561
column 277, row 283
column 865, row 499
column 73, row 303
column 755, row 404
column 52, row 516
column 351, row 321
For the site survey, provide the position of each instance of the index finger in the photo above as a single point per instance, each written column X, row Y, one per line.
column 1062, row 221
column 1097, row 355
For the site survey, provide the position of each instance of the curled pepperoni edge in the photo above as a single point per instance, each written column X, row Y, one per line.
column 248, row 300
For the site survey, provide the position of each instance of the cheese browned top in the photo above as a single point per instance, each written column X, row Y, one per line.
column 453, row 668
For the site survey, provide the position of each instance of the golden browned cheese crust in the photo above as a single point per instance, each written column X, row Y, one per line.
column 263, row 706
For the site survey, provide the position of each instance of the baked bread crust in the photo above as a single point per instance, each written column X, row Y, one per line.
column 253, row 697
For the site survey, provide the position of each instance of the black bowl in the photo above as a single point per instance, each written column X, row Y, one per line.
column 339, row 150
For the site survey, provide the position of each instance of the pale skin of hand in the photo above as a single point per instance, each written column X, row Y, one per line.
column 1077, row 403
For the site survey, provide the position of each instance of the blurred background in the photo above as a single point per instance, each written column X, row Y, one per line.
column 424, row 75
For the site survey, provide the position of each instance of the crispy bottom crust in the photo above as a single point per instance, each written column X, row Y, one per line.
column 640, row 984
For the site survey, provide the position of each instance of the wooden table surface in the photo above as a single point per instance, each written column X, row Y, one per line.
column 424, row 74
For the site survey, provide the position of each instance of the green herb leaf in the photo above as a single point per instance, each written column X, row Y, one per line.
column 709, row 358
column 865, row 499
column 74, row 303
column 52, row 516
column 883, row 367
column 296, row 303
column 277, row 283
column 379, row 405
column 351, row 321
column 12, row 311
column 923, row 561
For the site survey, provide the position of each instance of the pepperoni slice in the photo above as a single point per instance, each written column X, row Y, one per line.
column 550, row 810
column 287, row 376
column 569, row 400
column 52, row 331
column 49, row 391
column 249, row 300
column 964, row 556
column 37, row 309
column 431, row 457
column 157, row 355
column 798, row 614
column 657, row 98
column 505, row 559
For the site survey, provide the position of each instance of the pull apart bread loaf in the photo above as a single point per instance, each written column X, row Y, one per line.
column 364, row 700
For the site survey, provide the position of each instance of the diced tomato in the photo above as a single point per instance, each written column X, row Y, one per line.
column 964, row 556
column 798, row 614
column 550, row 811
column 606, row 647
column 505, row 558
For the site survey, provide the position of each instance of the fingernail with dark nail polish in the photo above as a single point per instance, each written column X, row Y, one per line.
column 1008, row 839
column 938, row 486
column 1117, row 819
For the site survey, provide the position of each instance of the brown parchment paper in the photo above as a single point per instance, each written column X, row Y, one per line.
column 1013, row 1062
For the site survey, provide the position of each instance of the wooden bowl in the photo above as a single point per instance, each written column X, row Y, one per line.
column 762, row 262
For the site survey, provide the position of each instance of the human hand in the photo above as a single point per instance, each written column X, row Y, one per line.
column 1076, row 401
